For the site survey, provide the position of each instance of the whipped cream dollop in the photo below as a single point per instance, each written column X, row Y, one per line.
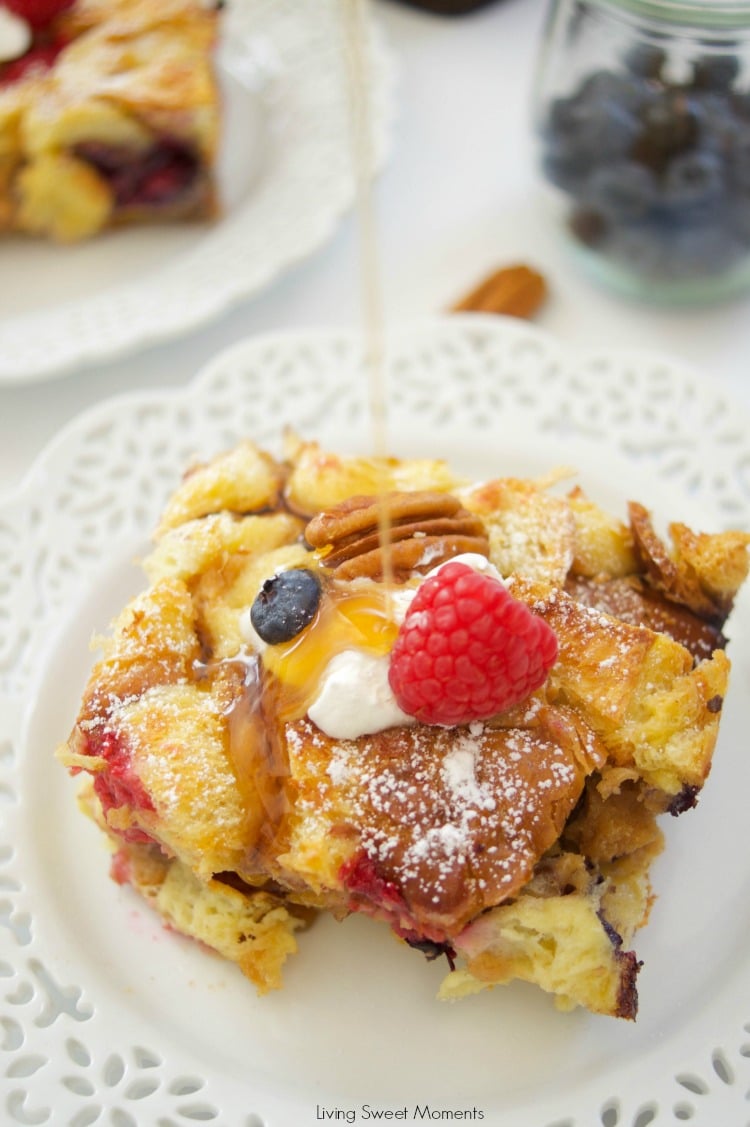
column 355, row 698
column 15, row 36
column 472, row 560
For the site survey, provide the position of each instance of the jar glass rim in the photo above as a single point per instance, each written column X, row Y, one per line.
column 716, row 14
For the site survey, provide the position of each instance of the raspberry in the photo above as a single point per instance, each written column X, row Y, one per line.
column 467, row 649
column 37, row 13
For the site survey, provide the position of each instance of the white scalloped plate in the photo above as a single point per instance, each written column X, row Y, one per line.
column 285, row 178
column 108, row 1018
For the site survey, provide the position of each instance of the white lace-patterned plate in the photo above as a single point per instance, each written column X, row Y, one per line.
column 285, row 177
column 107, row 1018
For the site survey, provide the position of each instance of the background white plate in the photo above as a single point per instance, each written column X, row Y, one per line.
column 286, row 178
column 105, row 1017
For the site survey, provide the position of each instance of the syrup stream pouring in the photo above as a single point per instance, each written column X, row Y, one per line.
column 353, row 17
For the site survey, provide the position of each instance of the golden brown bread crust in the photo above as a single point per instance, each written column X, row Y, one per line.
column 563, row 943
column 632, row 600
column 658, row 713
column 530, row 531
column 454, row 820
column 254, row 928
column 319, row 479
column 519, row 847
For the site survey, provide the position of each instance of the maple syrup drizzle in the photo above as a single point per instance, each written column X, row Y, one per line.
column 358, row 619
column 354, row 22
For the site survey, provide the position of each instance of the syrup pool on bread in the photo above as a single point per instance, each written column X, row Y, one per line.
column 336, row 669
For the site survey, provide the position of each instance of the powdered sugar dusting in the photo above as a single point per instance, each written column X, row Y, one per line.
column 456, row 818
column 459, row 774
column 171, row 737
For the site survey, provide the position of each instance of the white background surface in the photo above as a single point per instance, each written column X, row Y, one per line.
column 459, row 196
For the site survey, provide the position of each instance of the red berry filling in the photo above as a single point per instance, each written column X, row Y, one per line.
column 160, row 176
column 372, row 893
column 367, row 886
column 121, row 868
column 467, row 649
column 38, row 13
column 36, row 61
column 118, row 785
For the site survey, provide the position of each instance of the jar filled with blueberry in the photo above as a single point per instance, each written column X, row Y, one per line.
column 643, row 118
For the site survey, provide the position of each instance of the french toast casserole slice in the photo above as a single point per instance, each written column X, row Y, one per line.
column 516, row 844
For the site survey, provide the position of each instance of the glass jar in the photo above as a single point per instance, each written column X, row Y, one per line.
column 448, row 7
column 642, row 113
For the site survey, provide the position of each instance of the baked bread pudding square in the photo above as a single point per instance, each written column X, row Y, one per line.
column 109, row 115
column 371, row 685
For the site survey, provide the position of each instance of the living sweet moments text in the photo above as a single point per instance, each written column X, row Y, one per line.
column 417, row 1113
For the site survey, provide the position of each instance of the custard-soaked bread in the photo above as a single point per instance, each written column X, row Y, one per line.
column 254, row 759
column 254, row 928
column 531, row 531
column 561, row 941
column 318, row 479
column 655, row 710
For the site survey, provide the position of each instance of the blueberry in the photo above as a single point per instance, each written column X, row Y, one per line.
column 715, row 72
column 285, row 605
column 645, row 60
column 584, row 132
column 694, row 185
column 739, row 161
column 622, row 191
column 627, row 90
column 580, row 136
column 566, row 167
column 717, row 125
column 740, row 218
column 702, row 250
column 562, row 115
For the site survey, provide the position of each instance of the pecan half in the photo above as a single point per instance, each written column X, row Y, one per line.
column 516, row 291
column 425, row 529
